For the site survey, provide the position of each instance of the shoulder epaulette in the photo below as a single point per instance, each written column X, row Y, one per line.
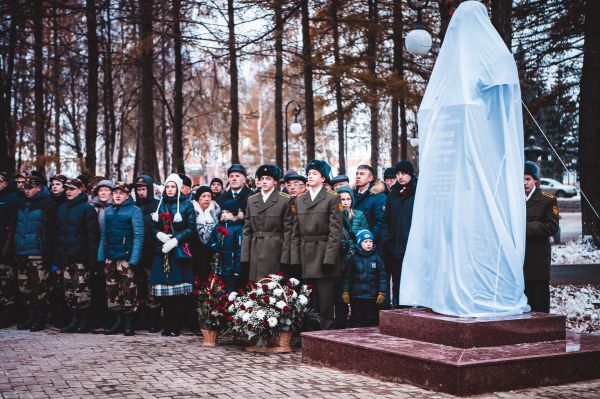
column 304, row 193
column 332, row 192
column 548, row 195
column 254, row 195
column 286, row 195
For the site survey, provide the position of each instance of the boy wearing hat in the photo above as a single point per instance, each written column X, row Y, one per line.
column 364, row 282
column 32, row 252
column 236, row 176
column 316, row 239
column 542, row 223
column 120, row 250
column 76, row 248
column 186, row 186
column 396, row 223
column 226, row 241
column 268, row 228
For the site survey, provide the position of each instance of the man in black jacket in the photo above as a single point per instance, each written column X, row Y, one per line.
column 397, row 222
column 370, row 199
column 542, row 223
column 77, row 235
column 236, row 176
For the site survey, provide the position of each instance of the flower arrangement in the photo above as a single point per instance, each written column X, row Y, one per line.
column 213, row 304
column 270, row 307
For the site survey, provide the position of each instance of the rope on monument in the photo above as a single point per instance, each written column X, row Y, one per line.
column 560, row 159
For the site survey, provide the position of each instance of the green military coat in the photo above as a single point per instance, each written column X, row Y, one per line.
column 267, row 233
column 317, row 234
column 542, row 223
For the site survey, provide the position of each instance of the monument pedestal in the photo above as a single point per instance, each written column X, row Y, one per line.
column 461, row 356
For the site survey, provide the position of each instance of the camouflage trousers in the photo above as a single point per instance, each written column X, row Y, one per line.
column 145, row 297
column 78, row 293
column 121, row 288
column 32, row 276
column 8, row 283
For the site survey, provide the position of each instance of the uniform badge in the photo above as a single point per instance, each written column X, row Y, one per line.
column 373, row 265
column 555, row 210
column 293, row 209
column 341, row 206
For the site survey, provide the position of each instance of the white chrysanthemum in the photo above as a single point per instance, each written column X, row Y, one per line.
column 249, row 304
column 260, row 314
column 281, row 304
column 231, row 309
column 303, row 300
column 304, row 287
column 272, row 301
column 259, row 291
column 272, row 321
column 246, row 317
column 275, row 277
column 232, row 296
column 272, row 285
column 294, row 295
column 278, row 292
column 288, row 322
column 294, row 282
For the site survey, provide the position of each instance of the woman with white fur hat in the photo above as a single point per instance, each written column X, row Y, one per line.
column 173, row 227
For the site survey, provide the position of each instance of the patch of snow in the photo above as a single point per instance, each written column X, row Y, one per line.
column 582, row 251
column 580, row 305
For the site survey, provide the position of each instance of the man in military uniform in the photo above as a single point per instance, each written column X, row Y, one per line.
column 268, row 227
column 32, row 253
column 542, row 223
column 316, row 239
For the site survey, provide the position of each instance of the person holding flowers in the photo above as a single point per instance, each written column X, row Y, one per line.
column 226, row 241
column 173, row 227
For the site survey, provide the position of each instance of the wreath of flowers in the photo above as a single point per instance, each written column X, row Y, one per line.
column 213, row 304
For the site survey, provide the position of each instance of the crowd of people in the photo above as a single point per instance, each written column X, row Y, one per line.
column 77, row 252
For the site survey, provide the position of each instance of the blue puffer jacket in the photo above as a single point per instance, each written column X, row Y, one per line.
column 122, row 237
column 180, row 271
column 229, row 247
column 31, row 231
column 364, row 276
column 372, row 204
column 77, row 232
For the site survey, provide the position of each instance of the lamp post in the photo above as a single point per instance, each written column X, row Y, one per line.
column 295, row 128
column 418, row 41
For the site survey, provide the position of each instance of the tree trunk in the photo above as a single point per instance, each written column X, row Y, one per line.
column 91, row 118
column 234, row 128
column 7, row 133
column 163, row 114
column 337, row 81
column 177, row 164
column 147, row 152
column 373, row 94
column 40, row 140
column 309, row 106
column 501, row 13
column 398, row 70
column 445, row 7
column 279, row 84
column 56, row 71
column 589, row 121
column 110, row 100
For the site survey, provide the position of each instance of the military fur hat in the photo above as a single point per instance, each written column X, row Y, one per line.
column 532, row 170
column 320, row 166
column 268, row 170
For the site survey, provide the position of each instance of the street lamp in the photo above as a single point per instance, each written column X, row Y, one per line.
column 418, row 41
column 295, row 128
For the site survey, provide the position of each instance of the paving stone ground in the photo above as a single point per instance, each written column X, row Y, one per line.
column 50, row 364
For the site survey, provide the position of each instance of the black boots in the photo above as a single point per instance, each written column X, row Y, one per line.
column 27, row 318
column 173, row 307
column 153, row 319
column 129, row 324
column 72, row 326
column 39, row 317
column 7, row 315
column 83, row 326
column 116, row 327
column 79, row 322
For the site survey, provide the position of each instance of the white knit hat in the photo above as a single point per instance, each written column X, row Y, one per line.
column 173, row 177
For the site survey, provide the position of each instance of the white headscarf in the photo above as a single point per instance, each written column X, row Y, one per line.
column 173, row 177
column 466, row 245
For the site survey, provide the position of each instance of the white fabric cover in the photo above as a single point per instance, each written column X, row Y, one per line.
column 467, row 241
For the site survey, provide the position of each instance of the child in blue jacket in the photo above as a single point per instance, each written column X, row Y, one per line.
column 226, row 241
column 364, row 282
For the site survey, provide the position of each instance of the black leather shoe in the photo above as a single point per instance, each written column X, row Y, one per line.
column 72, row 326
column 129, row 326
column 116, row 327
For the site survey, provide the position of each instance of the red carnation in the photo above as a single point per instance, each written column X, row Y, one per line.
column 239, row 320
column 242, row 307
column 196, row 292
column 241, row 291
column 265, row 298
column 252, row 295
column 223, row 231
column 265, row 323
column 229, row 318
column 280, row 274
column 286, row 309
column 309, row 286
column 249, row 325
column 265, row 287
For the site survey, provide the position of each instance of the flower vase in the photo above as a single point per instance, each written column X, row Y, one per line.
column 209, row 338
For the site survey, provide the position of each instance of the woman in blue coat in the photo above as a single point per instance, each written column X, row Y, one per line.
column 173, row 227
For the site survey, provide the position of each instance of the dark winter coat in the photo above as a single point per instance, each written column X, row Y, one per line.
column 180, row 271
column 267, row 233
column 317, row 234
column 77, row 232
column 147, row 205
column 372, row 204
column 242, row 197
column 32, row 228
column 398, row 219
column 364, row 275
column 229, row 247
column 100, row 208
column 358, row 222
column 542, row 223
column 122, row 237
column 9, row 201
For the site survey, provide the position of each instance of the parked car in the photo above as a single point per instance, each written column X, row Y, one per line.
column 557, row 188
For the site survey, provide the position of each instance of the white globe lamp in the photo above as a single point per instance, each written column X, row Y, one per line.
column 418, row 41
column 295, row 128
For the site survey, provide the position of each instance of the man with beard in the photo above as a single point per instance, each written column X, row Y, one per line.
column 396, row 223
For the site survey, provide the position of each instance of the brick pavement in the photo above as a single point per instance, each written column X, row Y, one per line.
column 50, row 364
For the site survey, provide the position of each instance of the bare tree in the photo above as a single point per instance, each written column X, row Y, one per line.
column 234, row 128
column 501, row 19
column 277, row 8
column 38, row 60
column 177, row 162
column 337, row 82
column 309, row 104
